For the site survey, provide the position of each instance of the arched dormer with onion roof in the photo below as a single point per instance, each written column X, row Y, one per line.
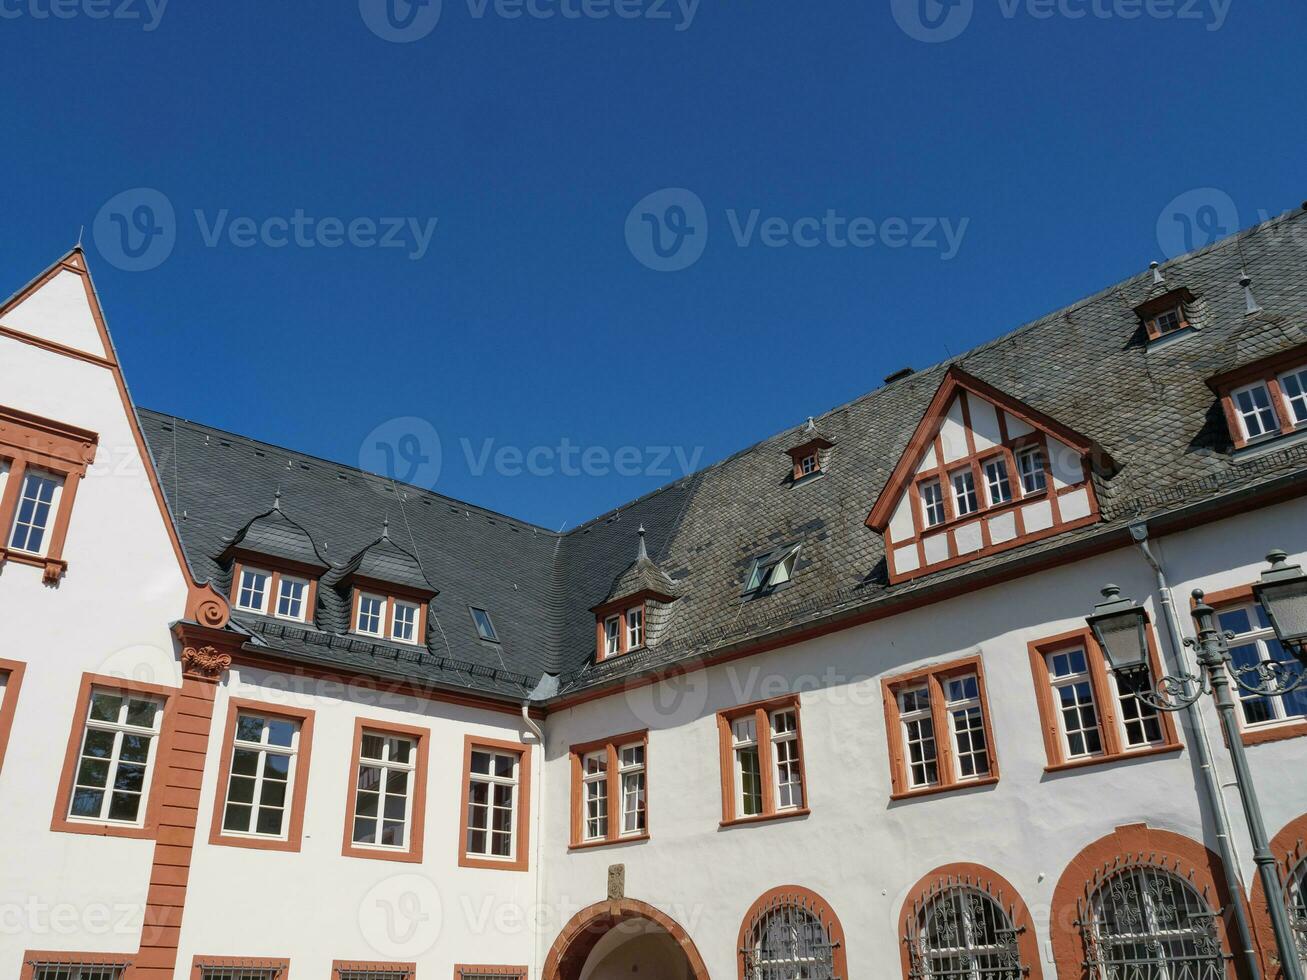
column 636, row 609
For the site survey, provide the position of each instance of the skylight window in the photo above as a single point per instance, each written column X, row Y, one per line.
column 485, row 627
column 772, row 571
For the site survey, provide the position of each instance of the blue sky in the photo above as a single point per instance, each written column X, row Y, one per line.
column 880, row 184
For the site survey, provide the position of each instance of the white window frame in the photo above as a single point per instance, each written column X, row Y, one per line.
column 971, row 706
column 1031, row 470
column 265, row 591
column 1256, row 410
column 635, row 627
column 809, row 465
column 491, row 780
column 1173, row 311
column 933, row 510
column 744, row 740
column 1074, row 679
column 381, row 615
column 387, row 765
column 416, row 624
column 612, row 636
column 1258, row 637
column 594, row 796
column 263, row 749
column 787, row 772
column 303, row 583
column 965, row 493
column 1297, row 377
column 997, row 478
column 119, row 728
column 46, row 526
column 912, row 722
column 1140, row 711
column 633, row 783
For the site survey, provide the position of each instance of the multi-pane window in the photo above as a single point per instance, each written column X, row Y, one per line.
column 1169, row 321
column 785, row 754
column 964, row 492
column 919, row 737
column 291, row 595
column 932, row 503
column 1293, row 386
column 36, row 503
column 1253, row 405
column 809, row 465
column 371, row 608
column 635, row 627
column 404, row 622
column 1073, row 698
column 1030, row 463
column 241, row 972
column 383, row 798
column 253, row 591
column 492, row 803
column 373, row 973
column 1140, row 722
column 263, row 762
column 997, row 482
column 612, row 636
column 73, row 970
column 967, row 724
column 748, row 767
column 631, row 774
column 1255, row 643
column 772, row 570
column 116, row 757
column 595, row 789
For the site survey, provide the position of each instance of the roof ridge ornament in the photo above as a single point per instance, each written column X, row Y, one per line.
column 276, row 501
column 643, row 553
column 385, row 528
column 1158, row 278
column 1250, row 301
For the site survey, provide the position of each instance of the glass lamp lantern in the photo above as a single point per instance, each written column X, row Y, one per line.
column 1121, row 629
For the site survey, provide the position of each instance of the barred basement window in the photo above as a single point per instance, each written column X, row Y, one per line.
column 959, row 932
column 345, row 973
column 241, row 972
column 44, row 970
column 1297, row 898
column 1144, row 920
column 489, row 973
column 787, row 940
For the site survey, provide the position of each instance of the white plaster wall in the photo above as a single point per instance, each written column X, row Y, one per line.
column 858, row 849
column 316, row 905
column 108, row 615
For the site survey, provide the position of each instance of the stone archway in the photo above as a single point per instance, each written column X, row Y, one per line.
column 589, row 928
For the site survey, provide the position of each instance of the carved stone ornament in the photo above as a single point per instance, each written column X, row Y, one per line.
column 206, row 662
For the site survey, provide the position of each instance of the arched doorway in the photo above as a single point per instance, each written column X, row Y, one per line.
column 606, row 940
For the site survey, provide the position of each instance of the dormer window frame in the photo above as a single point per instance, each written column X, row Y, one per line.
column 614, row 631
column 1269, row 395
column 1166, row 315
column 277, row 572
column 391, row 600
column 809, row 459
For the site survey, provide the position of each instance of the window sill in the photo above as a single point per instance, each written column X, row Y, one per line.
column 1103, row 760
column 912, row 794
column 490, row 864
column 54, row 567
column 66, row 826
column 1170, row 337
column 256, row 843
column 351, row 850
column 1274, row 733
column 1273, row 442
column 590, row 845
column 802, row 811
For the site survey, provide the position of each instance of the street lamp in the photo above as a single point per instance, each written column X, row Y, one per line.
column 1120, row 627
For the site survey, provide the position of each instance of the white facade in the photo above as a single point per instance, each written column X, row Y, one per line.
column 858, row 849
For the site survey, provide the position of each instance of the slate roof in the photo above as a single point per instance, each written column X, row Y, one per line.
column 386, row 561
column 276, row 535
column 643, row 575
column 1088, row 366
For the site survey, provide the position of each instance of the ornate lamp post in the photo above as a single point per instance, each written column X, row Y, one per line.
column 1120, row 627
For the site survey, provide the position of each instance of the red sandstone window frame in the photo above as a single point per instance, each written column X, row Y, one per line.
column 620, row 611
column 521, row 860
column 298, row 794
column 389, row 594
column 612, row 748
column 418, row 807
column 933, row 678
column 153, row 801
column 276, row 570
column 467, row 971
column 45, row 956
column 201, row 963
column 762, row 712
column 13, row 671
column 341, row 968
column 1268, row 732
column 31, row 442
column 1106, row 703
column 1267, row 372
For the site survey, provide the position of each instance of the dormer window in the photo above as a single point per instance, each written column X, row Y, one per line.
column 273, row 593
column 1253, row 403
column 635, row 628
column 810, row 457
column 612, row 636
column 275, row 567
column 369, row 616
column 253, row 592
column 628, row 619
column 484, row 625
column 404, row 622
column 772, row 571
column 389, row 617
column 1293, row 385
column 1168, row 321
column 291, row 595
column 808, row 465
column 1266, row 398
column 1165, row 315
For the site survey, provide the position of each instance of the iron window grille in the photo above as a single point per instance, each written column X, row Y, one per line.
column 1146, row 921
column 49, row 970
column 787, row 940
column 348, row 974
column 959, row 930
column 1296, row 896
column 241, row 973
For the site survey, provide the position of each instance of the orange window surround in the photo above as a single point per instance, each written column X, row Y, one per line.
column 389, row 596
column 522, row 827
column 611, row 747
column 224, row 963
column 762, row 712
column 619, row 612
column 44, row 957
column 163, row 742
column 298, row 792
column 418, row 808
column 65, row 451
column 12, row 672
column 341, row 969
column 1266, row 371
column 464, row 971
column 793, row 896
column 276, row 571
column 1106, row 705
column 933, row 679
